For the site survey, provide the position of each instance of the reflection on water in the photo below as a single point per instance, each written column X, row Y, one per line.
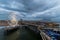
column 13, row 36
column 23, row 34
column 2, row 37
column 20, row 34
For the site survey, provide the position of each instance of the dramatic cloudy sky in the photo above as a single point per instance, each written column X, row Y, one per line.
column 45, row 10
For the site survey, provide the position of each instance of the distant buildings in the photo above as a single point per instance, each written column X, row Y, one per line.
column 44, row 24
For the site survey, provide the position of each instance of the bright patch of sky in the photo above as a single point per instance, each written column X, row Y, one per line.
column 46, row 10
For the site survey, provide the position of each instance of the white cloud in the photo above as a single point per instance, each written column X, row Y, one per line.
column 16, row 5
column 49, row 8
column 57, row 19
column 8, row 12
column 50, row 11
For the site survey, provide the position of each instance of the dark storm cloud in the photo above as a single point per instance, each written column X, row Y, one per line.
column 32, row 9
column 39, row 5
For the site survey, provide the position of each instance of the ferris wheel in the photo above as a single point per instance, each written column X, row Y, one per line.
column 13, row 20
